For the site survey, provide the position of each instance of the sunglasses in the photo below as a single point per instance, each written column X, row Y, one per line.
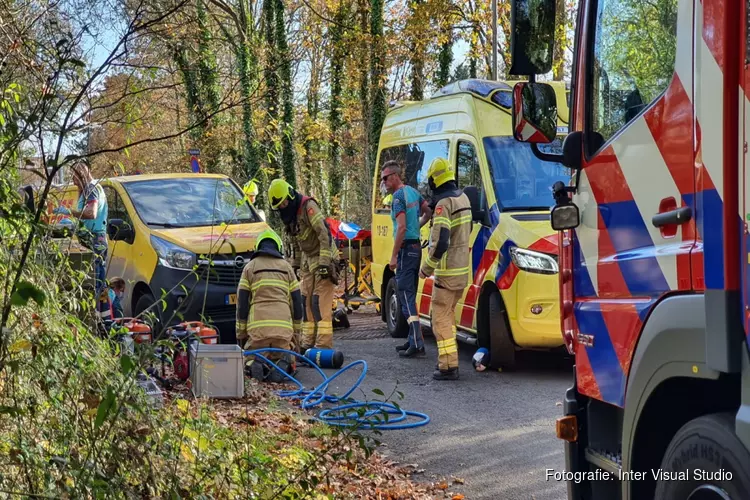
column 385, row 177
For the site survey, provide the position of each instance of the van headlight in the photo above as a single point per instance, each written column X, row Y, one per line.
column 533, row 262
column 173, row 256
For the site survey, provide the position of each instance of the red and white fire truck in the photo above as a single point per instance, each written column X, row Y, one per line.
column 654, row 256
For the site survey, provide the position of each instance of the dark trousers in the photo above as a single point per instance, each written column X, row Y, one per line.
column 407, row 280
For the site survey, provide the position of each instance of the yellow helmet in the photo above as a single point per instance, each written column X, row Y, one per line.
column 278, row 191
column 268, row 234
column 250, row 188
column 388, row 200
column 440, row 172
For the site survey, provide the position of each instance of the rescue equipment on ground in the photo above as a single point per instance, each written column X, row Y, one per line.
column 481, row 359
column 183, row 336
column 364, row 415
column 325, row 358
column 216, row 371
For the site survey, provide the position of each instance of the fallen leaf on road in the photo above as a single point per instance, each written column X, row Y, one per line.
column 443, row 485
column 458, row 480
column 457, row 496
column 559, row 403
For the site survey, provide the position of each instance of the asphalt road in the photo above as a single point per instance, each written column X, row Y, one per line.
column 496, row 431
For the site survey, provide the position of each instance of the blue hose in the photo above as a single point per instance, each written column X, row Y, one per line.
column 366, row 415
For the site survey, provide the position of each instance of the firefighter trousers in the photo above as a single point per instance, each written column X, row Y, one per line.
column 317, row 325
column 444, row 325
column 264, row 343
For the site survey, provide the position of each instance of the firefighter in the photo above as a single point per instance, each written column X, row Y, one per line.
column 251, row 191
column 448, row 260
column 315, row 255
column 269, row 305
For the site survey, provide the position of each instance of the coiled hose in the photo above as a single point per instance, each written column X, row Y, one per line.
column 366, row 415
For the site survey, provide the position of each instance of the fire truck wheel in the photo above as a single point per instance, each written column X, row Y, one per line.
column 713, row 458
column 502, row 349
column 152, row 317
column 397, row 325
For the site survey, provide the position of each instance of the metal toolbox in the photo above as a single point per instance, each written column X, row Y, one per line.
column 216, row 371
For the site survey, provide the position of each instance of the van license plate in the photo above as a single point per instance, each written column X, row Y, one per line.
column 231, row 299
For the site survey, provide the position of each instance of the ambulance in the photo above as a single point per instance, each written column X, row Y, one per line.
column 180, row 242
column 511, row 302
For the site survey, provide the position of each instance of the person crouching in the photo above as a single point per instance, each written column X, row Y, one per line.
column 269, row 308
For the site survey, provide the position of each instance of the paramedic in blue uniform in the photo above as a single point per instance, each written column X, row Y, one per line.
column 92, row 211
column 409, row 211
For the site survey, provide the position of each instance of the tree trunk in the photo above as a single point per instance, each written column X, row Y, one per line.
column 287, row 96
column 247, row 68
column 209, row 91
column 473, row 52
column 417, row 56
column 337, row 67
column 364, row 83
column 445, row 59
column 378, row 78
column 561, row 42
column 271, row 156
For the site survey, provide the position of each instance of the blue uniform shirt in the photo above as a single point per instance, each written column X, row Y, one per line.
column 407, row 200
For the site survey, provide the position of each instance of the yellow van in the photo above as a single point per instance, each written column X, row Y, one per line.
column 179, row 240
column 512, row 300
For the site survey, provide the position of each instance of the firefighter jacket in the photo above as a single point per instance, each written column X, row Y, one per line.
column 448, row 257
column 269, row 303
column 311, row 235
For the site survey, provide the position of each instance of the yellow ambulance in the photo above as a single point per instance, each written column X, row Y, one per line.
column 180, row 242
column 512, row 300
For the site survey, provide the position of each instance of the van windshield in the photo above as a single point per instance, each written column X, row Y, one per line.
column 522, row 181
column 189, row 202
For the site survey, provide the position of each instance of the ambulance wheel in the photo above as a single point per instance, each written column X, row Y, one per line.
column 397, row 325
column 502, row 349
column 708, row 445
column 152, row 316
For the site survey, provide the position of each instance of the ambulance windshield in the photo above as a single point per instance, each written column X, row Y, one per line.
column 522, row 181
column 189, row 202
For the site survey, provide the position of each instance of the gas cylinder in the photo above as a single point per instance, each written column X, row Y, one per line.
column 325, row 358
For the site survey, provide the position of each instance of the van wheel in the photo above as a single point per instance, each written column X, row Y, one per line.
column 397, row 324
column 721, row 460
column 502, row 349
column 152, row 317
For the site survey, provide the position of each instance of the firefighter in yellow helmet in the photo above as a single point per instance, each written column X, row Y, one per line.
column 269, row 306
column 251, row 190
column 316, row 256
column 448, row 260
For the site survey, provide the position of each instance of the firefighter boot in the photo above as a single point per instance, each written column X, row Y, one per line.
column 451, row 374
column 413, row 352
column 403, row 346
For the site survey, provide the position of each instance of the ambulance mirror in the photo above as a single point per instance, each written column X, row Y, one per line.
column 532, row 37
column 534, row 113
column 565, row 217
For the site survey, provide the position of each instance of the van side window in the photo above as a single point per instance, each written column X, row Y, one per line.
column 467, row 164
column 415, row 159
column 117, row 208
column 634, row 51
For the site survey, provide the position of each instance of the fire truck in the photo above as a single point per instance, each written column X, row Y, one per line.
column 653, row 251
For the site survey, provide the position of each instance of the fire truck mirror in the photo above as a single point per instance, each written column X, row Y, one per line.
column 565, row 217
column 532, row 36
column 534, row 113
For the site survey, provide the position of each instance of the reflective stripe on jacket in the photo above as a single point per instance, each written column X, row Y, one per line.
column 449, row 257
column 270, row 282
column 311, row 234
